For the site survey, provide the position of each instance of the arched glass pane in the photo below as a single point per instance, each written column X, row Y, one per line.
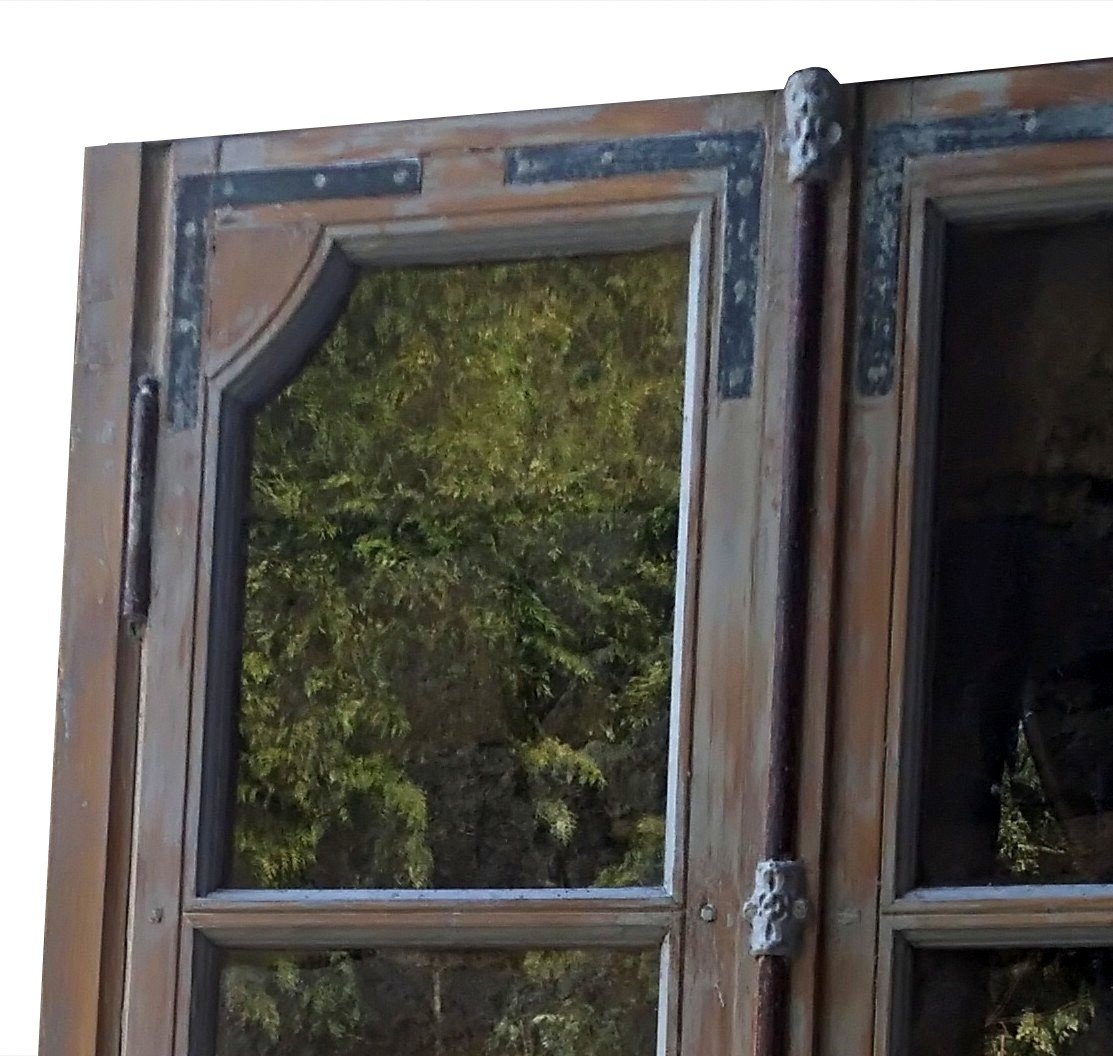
column 462, row 536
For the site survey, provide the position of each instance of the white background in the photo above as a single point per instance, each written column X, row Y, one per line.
column 86, row 73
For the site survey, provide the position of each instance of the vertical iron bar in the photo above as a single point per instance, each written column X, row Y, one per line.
column 136, row 595
column 811, row 98
column 790, row 613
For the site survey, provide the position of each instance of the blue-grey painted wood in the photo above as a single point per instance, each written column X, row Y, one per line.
column 742, row 155
column 887, row 150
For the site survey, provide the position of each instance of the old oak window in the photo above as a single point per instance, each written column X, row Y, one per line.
column 525, row 532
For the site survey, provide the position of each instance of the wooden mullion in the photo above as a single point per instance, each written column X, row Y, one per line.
column 317, row 919
column 1036, row 915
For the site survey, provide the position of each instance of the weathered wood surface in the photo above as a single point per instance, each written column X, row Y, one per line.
column 871, row 805
column 81, row 869
column 262, row 261
column 165, row 688
column 265, row 262
column 316, row 919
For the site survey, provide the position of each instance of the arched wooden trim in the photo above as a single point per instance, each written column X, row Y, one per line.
column 255, row 374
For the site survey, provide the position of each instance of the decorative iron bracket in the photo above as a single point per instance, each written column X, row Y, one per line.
column 812, row 129
column 777, row 909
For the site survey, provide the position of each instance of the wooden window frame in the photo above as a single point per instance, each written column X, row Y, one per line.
column 87, row 877
column 1032, row 184
column 127, row 761
column 250, row 376
column 116, row 975
column 979, row 147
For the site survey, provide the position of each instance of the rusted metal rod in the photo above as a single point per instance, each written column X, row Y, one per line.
column 790, row 612
column 136, row 592
column 811, row 100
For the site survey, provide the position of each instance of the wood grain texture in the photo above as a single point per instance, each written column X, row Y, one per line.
column 318, row 919
column 860, row 690
column 871, row 808
column 487, row 132
column 165, row 691
column 152, row 210
column 1021, row 915
column 731, row 682
column 80, row 868
column 1058, row 84
column 248, row 293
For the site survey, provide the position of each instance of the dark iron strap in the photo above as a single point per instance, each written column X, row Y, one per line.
column 135, row 597
column 887, row 149
column 741, row 156
column 196, row 199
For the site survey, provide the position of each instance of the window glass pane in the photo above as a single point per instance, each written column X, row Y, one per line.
column 1018, row 783
column 403, row 1002
column 460, row 577
column 1011, row 1003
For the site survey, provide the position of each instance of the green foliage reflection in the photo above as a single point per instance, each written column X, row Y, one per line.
column 417, row 1003
column 462, row 546
column 457, row 645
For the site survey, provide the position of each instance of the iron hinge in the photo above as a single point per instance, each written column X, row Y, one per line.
column 777, row 908
column 135, row 597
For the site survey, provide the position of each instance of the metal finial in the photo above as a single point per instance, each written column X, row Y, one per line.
column 812, row 129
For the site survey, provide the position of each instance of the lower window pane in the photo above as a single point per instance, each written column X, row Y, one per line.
column 1034, row 1002
column 427, row 1003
